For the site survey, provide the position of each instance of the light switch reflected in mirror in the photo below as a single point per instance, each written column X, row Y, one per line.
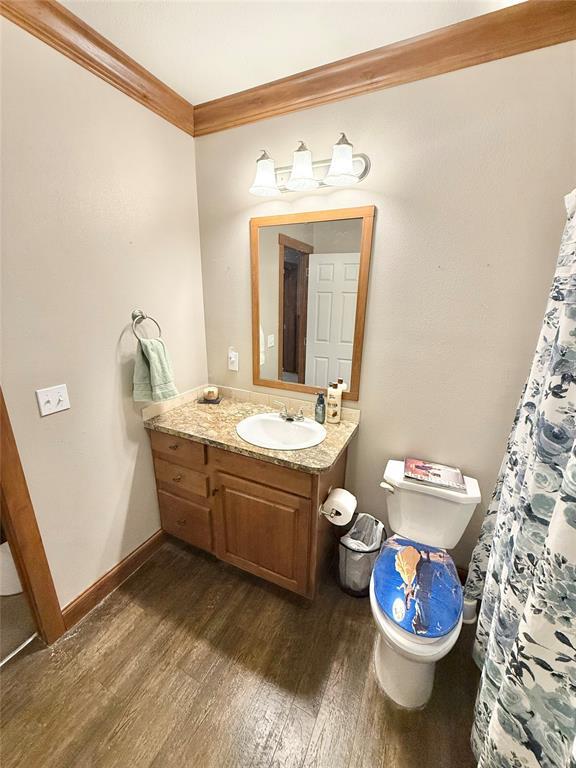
column 309, row 316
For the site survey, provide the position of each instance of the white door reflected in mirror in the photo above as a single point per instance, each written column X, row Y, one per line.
column 332, row 290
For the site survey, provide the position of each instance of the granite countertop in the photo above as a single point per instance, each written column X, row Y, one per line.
column 216, row 425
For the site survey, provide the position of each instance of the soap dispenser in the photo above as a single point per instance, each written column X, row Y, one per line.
column 320, row 410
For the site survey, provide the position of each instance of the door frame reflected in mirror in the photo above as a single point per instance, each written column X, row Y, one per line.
column 303, row 251
column 366, row 213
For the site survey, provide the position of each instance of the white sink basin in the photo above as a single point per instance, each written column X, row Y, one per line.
column 268, row 430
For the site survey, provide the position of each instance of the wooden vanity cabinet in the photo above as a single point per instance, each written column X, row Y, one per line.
column 258, row 516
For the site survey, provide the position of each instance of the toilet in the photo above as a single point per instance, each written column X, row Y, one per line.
column 415, row 592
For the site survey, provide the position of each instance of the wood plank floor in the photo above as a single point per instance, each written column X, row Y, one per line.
column 193, row 664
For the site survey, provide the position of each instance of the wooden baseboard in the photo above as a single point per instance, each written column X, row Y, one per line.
column 90, row 598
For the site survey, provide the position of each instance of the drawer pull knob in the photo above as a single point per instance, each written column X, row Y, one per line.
column 173, row 447
column 177, row 478
column 215, row 491
column 181, row 521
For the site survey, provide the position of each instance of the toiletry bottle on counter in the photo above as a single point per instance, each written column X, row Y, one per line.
column 342, row 385
column 320, row 410
column 333, row 404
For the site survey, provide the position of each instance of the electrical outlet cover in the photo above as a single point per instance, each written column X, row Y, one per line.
column 232, row 359
column 53, row 399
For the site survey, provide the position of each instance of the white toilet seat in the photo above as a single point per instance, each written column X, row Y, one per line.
column 411, row 646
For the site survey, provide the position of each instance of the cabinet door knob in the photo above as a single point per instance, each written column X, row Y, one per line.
column 173, row 447
column 177, row 479
column 181, row 521
column 215, row 491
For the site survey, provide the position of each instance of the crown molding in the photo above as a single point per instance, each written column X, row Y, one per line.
column 58, row 27
column 516, row 29
column 507, row 32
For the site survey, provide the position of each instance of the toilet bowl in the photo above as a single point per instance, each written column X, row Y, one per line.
column 415, row 594
column 404, row 662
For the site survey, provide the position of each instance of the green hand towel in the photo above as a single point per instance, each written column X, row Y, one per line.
column 153, row 379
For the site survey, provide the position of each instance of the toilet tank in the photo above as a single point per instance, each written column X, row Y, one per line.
column 427, row 514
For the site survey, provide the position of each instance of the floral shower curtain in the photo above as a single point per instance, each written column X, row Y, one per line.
column 524, row 565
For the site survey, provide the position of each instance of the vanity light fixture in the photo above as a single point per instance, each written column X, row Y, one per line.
column 343, row 170
column 302, row 176
column 264, row 184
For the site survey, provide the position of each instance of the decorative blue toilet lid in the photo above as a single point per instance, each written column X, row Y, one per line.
column 417, row 587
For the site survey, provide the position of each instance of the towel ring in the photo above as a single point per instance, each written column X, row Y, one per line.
column 137, row 317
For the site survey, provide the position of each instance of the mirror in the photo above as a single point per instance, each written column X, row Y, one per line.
column 309, row 288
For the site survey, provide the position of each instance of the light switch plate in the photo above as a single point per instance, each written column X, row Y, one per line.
column 232, row 359
column 271, row 341
column 53, row 399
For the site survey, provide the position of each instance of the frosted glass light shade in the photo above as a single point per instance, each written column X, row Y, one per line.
column 341, row 172
column 302, row 175
column 264, row 184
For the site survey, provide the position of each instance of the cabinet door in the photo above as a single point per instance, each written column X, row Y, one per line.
column 264, row 531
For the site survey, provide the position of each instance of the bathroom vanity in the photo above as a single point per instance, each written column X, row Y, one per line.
column 255, row 508
column 258, row 508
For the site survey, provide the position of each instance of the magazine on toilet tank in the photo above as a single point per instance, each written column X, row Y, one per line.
column 430, row 473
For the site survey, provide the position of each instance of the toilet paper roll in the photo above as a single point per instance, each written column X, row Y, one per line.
column 340, row 506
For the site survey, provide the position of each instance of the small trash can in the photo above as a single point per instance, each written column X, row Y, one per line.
column 358, row 551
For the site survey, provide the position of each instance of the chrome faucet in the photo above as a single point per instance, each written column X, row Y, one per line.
column 286, row 415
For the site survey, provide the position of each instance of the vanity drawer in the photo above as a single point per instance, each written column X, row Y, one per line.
column 284, row 478
column 185, row 520
column 177, row 479
column 178, row 450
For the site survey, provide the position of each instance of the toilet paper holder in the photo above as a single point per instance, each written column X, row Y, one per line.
column 339, row 507
column 331, row 514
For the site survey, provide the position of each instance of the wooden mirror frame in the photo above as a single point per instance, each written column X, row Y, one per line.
column 366, row 213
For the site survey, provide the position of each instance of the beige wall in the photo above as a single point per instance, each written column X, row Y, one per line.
column 343, row 236
column 99, row 216
column 468, row 174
